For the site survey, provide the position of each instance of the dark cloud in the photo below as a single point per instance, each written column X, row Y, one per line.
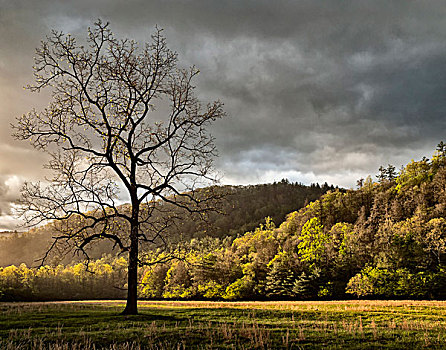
column 315, row 91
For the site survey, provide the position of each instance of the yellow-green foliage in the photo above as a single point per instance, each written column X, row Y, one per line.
column 178, row 282
column 360, row 284
column 99, row 279
column 385, row 239
column 414, row 174
column 211, row 290
column 240, row 289
column 342, row 235
column 153, row 281
column 312, row 241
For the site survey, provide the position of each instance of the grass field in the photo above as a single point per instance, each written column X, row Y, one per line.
column 225, row 325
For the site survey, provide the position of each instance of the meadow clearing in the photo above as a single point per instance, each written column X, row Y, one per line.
column 224, row 325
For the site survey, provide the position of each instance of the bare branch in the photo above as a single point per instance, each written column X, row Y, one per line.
column 107, row 139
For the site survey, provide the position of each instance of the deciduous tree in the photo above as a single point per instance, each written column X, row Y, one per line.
column 123, row 119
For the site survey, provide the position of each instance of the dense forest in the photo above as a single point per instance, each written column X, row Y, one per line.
column 386, row 239
column 241, row 209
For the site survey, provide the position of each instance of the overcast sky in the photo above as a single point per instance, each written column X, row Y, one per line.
column 315, row 91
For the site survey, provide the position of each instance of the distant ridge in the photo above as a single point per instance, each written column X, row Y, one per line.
column 245, row 207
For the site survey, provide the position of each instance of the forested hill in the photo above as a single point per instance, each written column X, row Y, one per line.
column 244, row 208
column 387, row 239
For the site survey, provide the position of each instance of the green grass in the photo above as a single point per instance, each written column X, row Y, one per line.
column 225, row 325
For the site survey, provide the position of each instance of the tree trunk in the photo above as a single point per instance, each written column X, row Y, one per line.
column 131, row 307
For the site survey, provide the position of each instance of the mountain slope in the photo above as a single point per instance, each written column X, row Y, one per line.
column 244, row 208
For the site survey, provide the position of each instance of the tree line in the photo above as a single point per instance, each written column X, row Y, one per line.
column 242, row 209
column 386, row 239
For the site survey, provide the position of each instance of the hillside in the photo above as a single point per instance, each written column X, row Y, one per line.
column 243, row 208
column 386, row 239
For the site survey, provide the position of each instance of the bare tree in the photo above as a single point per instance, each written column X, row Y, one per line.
column 122, row 118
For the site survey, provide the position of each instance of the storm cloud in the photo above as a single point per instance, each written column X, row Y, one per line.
column 314, row 91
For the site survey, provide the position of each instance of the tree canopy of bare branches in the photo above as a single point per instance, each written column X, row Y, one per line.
column 122, row 118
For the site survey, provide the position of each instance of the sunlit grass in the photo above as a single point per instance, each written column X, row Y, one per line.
column 224, row 325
